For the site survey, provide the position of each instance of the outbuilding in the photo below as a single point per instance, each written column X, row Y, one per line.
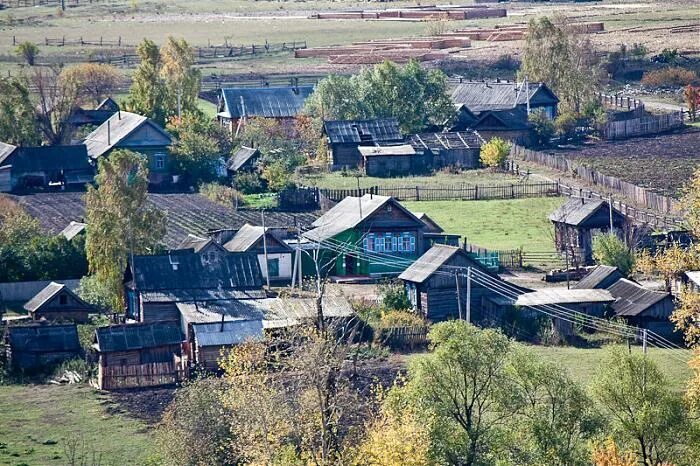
column 346, row 136
column 56, row 302
column 38, row 346
column 642, row 307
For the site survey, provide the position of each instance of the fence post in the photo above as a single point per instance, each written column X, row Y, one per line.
column 417, row 193
column 476, row 192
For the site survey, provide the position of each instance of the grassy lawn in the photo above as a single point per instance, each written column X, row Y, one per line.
column 582, row 363
column 508, row 224
column 338, row 180
column 37, row 421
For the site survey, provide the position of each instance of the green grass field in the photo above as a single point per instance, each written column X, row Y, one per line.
column 508, row 224
column 37, row 422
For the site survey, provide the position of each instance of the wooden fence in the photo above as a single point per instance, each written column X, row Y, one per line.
column 403, row 337
column 650, row 124
column 139, row 375
column 33, row 3
column 449, row 193
column 619, row 102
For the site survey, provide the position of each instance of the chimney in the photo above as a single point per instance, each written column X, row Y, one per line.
column 222, row 322
column 109, row 134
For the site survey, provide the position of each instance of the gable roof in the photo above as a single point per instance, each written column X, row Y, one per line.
column 5, row 151
column 575, row 211
column 346, row 215
column 480, row 96
column 511, row 118
column 128, row 337
column 436, row 142
column 432, row 226
column 430, row 262
column 240, row 157
column 598, row 276
column 632, row 299
column 43, row 296
column 248, row 236
column 232, row 332
column 43, row 338
column 108, row 104
column 266, row 102
column 197, row 243
column 187, row 270
column 356, row 131
column 73, row 229
column 693, row 276
column 551, row 296
column 47, row 158
column 116, row 129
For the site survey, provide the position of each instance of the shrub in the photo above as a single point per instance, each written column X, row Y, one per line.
column 248, row 183
column 400, row 319
column 565, row 126
column 674, row 76
column 28, row 51
column 495, row 152
column 393, row 296
column 224, row 195
column 506, row 62
column 542, row 126
column 277, row 176
column 610, row 250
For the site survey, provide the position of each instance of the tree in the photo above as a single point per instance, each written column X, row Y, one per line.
column 147, row 95
column 17, row 124
column 197, row 151
column 543, row 126
column 57, row 99
column 692, row 100
column 608, row 249
column 495, row 152
column 182, row 80
column 28, row 51
column 92, row 81
column 644, row 413
column 120, row 220
column 393, row 296
column 609, row 454
column 561, row 59
column 565, row 125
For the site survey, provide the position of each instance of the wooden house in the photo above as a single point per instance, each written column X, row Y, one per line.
column 243, row 159
column 643, row 308
column 601, row 277
column 393, row 160
column 94, row 116
column 126, row 130
column 434, row 234
column 211, row 340
column 274, row 255
column 238, row 104
column 346, row 136
column 367, row 236
column 38, row 346
column 139, row 355
column 57, row 302
column 60, row 167
column 154, row 284
column 432, row 283
column 578, row 221
column 450, row 149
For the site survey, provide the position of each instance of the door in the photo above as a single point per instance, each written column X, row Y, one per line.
column 273, row 267
column 350, row 265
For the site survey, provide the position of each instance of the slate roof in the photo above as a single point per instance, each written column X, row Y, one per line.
column 378, row 151
column 200, row 295
column 266, row 102
column 436, row 142
column 552, row 296
column 51, row 290
column 230, row 309
column 187, row 271
column 232, row 332
column 597, row 276
column 430, row 262
column 73, row 229
column 479, row 96
column 356, row 131
column 121, row 125
column 346, row 215
column 129, row 337
column 632, row 299
column 240, row 157
column 5, row 151
column 248, row 235
column 576, row 211
column 197, row 243
column 44, row 338
column 693, row 276
column 46, row 158
column 511, row 118
column 286, row 312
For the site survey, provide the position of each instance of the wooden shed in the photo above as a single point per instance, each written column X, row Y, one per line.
column 642, row 307
column 58, row 302
column 393, row 160
column 213, row 339
column 450, row 149
column 38, row 346
column 601, row 277
column 139, row 355
column 345, row 136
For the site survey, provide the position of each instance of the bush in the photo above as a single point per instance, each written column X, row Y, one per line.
column 565, row 126
column 669, row 77
column 277, row 176
column 224, row 195
column 400, row 319
column 393, row 296
column 608, row 249
column 248, row 183
column 495, row 152
column 542, row 126
column 28, row 51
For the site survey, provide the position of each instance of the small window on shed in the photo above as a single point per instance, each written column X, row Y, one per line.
column 62, row 300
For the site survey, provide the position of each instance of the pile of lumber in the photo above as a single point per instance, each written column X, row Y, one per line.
column 458, row 12
column 515, row 32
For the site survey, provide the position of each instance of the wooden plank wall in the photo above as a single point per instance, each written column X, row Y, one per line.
column 139, row 375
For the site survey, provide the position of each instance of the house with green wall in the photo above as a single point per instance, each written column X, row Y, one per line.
column 368, row 236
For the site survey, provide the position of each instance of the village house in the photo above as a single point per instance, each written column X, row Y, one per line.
column 139, row 355
column 395, row 160
column 238, row 104
column 346, row 136
column 154, row 284
column 274, row 255
column 61, row 167
column 57, row 302
column 601, row 277
column 643, row 308
column 126, row 130
column 578, row 221
column 40, row 345
column 367, row 236
column 436, row 283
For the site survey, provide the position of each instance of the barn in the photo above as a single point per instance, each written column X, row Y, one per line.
column 642, row 307
column 393, row 160
column 57, row 302
column 450, row 149
column 37, row 346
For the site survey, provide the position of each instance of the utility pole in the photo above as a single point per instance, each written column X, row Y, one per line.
column 296, row 272
column 267, row 265
column 527, row 95
column 459, row 298
column 610, row 205
column 469, row 294
column 644, row 341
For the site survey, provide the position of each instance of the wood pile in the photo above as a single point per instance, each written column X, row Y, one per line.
column 516, row 32
column 397, row 56
column 460, row 12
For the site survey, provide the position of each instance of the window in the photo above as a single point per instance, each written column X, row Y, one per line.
column 159, row 161
column 368, row 242
column 407, row 244
column 63, row 300
column 273, row 267
column 379, row 244
column 387, row 242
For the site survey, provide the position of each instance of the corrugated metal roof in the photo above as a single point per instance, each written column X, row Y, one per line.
column 345, row 215
column 266, row 102
column 480, row 96
column 175, row 296
column 575, row 211
column 376, row 151
column 240, row 157
column 44, row 338
column 73, row 229
column 551, row 296
column 369, row 131
column 632, row 299
column 233, row 332
column 596, row 276
column 117, row 128
column 429, row 263
column 137, row 336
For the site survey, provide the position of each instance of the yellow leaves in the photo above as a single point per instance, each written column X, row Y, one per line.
column 693, row 392
column 608, row 454
column 494, row 152
column 687, row 315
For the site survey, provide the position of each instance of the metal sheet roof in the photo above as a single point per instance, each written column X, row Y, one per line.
column 245, row 238
column 266, row 102
column 345, row 215
column 479, row 96
column 377, row 151
column 44, row 338
column 115, row 130
column 357, row 131
column 233, row 332
column 43, row 296
column 632, row 299
column 551, row 296
column 73, row 229
column 575, row 211
column 597, row 276
column 285, row 312
column 137, row 336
